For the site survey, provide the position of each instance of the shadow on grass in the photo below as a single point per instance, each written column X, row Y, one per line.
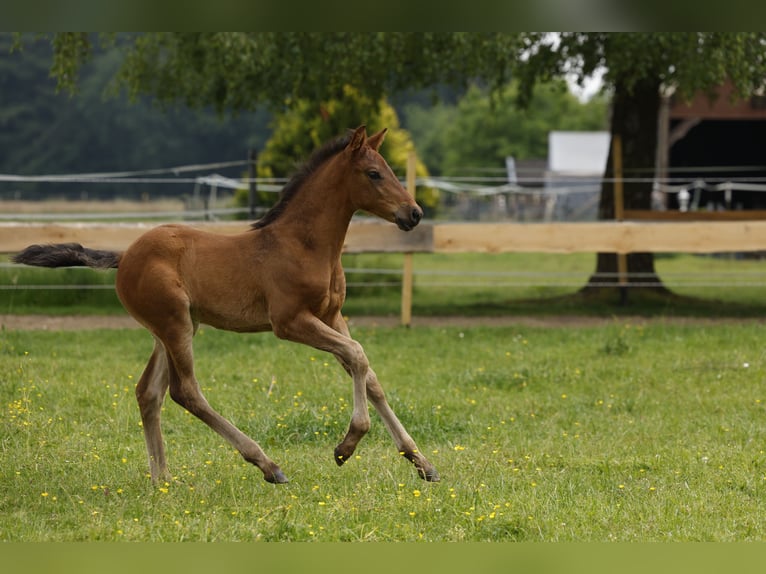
column 605, row 302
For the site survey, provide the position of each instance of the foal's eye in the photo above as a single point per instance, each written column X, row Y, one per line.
column 374, row 174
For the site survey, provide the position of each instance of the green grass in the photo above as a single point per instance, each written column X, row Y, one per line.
column 458, row 284
column 626, row 432
column 97, row 298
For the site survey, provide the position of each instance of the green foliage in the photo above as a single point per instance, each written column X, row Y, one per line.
column 482, row 128
column 45, row 132
column 240, row 70
column 539, row 436
column 428, row 124
column 686, row 61
column 308, row 124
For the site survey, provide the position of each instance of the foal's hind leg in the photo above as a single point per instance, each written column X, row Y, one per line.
column 150, row 393
column 185, row 390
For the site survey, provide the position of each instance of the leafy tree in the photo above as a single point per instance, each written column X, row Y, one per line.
column 636, row 66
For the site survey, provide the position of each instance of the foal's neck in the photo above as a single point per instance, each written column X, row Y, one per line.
column 319, row 217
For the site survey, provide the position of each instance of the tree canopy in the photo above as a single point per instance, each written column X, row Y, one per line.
column 234, row 71
column 687, row 61
column 240, row 70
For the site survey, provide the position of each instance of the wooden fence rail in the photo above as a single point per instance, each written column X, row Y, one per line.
column 367, row 236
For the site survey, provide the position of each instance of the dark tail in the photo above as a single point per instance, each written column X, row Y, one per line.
column 67, row 255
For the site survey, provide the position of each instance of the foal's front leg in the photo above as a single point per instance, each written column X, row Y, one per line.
column 403, row 440
column 311, row 331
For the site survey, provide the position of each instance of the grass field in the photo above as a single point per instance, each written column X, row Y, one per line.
column 625, row 432
column 456, row 284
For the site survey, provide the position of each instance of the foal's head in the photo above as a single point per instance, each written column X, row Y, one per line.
column 374, row 187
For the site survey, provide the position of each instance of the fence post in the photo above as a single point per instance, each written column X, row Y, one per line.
column 619, row 215
column 407, row 265
column 252, row 195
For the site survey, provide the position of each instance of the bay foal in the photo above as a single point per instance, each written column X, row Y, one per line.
column 283, row 275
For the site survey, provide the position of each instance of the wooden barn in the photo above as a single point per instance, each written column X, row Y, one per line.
column 715, row 150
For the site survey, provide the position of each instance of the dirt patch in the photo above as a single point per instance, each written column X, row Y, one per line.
column 66, row 322
column 82, row 322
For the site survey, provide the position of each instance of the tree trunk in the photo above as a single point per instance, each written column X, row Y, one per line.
column 634, row 118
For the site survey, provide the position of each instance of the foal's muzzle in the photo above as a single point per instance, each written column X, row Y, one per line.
column 408, row 217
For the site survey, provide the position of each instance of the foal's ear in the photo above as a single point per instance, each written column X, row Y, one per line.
column 374, row 141
column 358, row 138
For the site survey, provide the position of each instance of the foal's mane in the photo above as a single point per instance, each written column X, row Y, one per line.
column 290, row 190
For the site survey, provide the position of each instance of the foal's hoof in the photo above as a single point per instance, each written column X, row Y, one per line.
column 276, row 477
column 430, row 475
column 425, row 470
column 340, row 457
